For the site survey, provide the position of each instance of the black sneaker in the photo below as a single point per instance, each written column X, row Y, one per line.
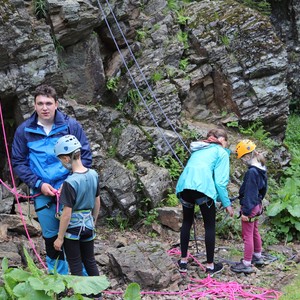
column 257, row 261
column 182, row 266
column 218, row 267
column 241, row 268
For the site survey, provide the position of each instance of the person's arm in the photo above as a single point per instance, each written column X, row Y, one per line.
column 221, row 179
column 63, row 225
column 20, row 160
column 96, row 209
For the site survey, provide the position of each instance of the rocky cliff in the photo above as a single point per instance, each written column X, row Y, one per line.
column 139, row 76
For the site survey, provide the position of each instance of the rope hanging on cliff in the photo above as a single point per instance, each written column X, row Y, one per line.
column 145, row 80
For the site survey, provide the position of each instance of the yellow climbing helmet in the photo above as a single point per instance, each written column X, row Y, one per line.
column 244, row 147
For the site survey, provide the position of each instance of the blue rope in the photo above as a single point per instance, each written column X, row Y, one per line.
column 134, row 83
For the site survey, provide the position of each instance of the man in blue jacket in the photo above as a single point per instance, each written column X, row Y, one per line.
column 35, row 163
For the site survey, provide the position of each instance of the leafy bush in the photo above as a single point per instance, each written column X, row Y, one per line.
column 34, row 283
column 284, row 210
column 171, row 200
column 256, row 130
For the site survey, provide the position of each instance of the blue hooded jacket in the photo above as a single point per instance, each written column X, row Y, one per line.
column 207, row 171
column 33, row 157
column 253, row 188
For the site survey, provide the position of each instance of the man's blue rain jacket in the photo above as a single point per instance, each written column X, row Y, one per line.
column 207, row 171
column 33, row 157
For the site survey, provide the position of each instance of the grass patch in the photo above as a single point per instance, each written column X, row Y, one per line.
column 292, row 290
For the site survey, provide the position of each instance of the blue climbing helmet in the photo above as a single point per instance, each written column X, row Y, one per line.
column 67, row 144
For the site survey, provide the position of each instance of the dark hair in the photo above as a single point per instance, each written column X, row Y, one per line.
column 217, row 132
column 45, row 90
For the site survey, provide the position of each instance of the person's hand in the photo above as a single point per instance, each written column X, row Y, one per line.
column 244, row 218
column 230, row 210
column 57, row 244
column 48, row 190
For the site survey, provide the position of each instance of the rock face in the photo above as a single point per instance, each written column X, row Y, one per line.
column 285, row 18
column 136, row 92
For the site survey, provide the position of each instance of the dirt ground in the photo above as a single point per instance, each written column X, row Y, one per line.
column 279, row 270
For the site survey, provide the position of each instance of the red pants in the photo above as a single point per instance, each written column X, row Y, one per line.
column 251, row 236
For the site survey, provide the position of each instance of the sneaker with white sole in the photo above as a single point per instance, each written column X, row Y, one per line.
column 182, row 266
column 257, row 261
column 218, row 267
column 241, row 268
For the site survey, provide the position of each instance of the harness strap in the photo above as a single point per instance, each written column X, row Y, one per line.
column 254, row 218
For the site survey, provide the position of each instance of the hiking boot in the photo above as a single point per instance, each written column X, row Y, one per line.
column 241, row 268
column 182, row 266
column 257, row 261
column 218, row 267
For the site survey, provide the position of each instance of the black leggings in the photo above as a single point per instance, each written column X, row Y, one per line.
column 78, row 253
column 208, row 211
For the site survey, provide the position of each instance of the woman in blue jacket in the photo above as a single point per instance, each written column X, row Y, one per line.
column 35, row 163
column 204, row 181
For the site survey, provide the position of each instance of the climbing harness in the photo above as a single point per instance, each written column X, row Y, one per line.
column 254, row 218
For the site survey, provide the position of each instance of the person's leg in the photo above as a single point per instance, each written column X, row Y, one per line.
column 88, row 257
column 188, row 219
column 247, row 235
column 256, row 235
column 50, row 225
column 257, row 239
column 72, row 249
column 208, row 211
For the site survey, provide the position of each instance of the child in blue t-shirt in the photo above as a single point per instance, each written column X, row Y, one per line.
column 81, row 204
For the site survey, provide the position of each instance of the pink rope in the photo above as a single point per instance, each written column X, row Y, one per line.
column 209, row 287
column 14, row 191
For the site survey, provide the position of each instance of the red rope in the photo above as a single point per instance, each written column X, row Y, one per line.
column 14, row 191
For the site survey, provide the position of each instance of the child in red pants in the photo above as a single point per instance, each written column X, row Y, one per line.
column 251, row 194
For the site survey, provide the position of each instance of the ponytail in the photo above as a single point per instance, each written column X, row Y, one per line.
column 260, row 158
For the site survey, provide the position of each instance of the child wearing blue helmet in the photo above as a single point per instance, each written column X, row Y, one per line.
column 81, row 204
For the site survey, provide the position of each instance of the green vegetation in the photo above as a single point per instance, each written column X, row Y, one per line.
column 34, row 283
column 183, row 38
column 119, row 221
column 284, row 210
column 183, row 64
column 173, row 5
column 141, row 34
column 133, row 292
column 172, row 164
column 130, row 166
column 255, row 130
column 112, row 83
column 292, row 291
column 171, row 200
column 40, row 8
column 151, row 217
column 181, row 18
column 156, row 76
column 225, row 40
column 263, row 6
